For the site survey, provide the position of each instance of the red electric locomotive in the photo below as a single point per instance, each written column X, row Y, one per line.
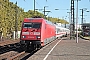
column 36, row 32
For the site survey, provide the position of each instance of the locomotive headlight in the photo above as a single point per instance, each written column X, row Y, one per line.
column 39, row 37
column 23, row 36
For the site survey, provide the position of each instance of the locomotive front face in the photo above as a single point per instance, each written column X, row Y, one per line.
column 31, row 31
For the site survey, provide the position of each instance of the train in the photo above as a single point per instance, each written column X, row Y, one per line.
column 61, row 31
column 37, row 32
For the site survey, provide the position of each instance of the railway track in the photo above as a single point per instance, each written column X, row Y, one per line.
column 7, row 52
column 10, row 47
column 14, row 52
column 12, row 55
column 10, row 50
column 15, row 55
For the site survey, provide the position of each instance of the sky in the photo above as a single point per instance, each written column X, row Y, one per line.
column 62, row 5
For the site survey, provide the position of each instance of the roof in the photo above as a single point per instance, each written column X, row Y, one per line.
column 86, row 24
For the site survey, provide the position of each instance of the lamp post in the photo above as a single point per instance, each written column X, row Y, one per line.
column 16, row 22
column 77, row 23
column 82, row 16
column 84, row 9
column 34, row 6
column 69, row 17
column 72, row 24
column 45, row 11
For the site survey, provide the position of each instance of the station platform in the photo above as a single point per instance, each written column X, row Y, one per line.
column 64, row 49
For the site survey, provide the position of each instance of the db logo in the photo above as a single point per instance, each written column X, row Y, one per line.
column 31, row 33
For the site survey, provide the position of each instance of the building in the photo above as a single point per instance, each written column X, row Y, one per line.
column 86, row 29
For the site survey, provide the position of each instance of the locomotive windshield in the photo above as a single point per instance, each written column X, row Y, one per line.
column 32, row 25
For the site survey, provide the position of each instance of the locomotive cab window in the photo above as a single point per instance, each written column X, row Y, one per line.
column 32, row 25
column 36, row 25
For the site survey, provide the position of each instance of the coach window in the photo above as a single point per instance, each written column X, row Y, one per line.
column 60, row 30
column 57, row 30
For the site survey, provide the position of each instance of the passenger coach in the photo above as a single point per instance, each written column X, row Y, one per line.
column 61, row 31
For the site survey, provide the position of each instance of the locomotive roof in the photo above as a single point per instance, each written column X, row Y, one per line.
column 48, row 22
column 34, row 18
